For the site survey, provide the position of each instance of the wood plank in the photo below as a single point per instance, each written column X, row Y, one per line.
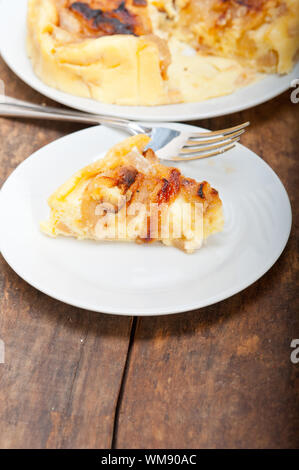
column 222, row 377
column 63, row 366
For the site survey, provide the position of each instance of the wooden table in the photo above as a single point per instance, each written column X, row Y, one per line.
column 218, row 377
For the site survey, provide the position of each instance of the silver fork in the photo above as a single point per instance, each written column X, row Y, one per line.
column 168, row 143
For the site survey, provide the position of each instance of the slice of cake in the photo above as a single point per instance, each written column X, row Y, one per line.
column 130, row 196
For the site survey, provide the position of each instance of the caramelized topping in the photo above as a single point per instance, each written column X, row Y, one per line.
column 238, row 5
column 170, row 187
column 200, row 190
column 102, row 18
column 127, row 176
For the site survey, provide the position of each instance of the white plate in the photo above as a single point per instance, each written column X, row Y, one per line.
column 125, row 278
column 13, row 50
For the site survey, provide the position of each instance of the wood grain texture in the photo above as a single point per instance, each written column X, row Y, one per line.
column 222, row 377
column 218, row 377
column 63, row 366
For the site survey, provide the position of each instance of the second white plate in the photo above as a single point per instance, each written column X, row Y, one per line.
column 135, row 279
column 13, row 50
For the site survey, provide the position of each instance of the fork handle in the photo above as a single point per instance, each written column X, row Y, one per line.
column 11, row 107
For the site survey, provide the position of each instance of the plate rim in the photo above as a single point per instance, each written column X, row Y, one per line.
column 151, row 311
column 116, row 110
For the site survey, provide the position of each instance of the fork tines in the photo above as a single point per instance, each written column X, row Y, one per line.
column 209, row 144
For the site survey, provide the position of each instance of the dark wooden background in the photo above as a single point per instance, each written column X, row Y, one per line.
column 217, row 377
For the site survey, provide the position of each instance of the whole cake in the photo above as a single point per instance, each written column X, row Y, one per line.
column 138, row 52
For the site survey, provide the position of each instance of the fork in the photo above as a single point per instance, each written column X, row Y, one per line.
column 168, row 143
